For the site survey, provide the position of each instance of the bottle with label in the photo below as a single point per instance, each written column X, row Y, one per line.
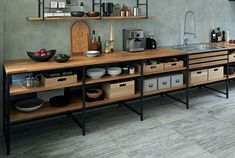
column 93, row 41
column 213, row 35
column 223, row 36
column 99, row 44
column 111, row 40
column 219, row 35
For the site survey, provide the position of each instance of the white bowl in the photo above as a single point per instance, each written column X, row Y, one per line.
column 29, row 105
column 95, row 73
column 114, row 71
column 92, row 53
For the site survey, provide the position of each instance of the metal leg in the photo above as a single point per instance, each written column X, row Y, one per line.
column 83, row 101
column 227, row 77
column 142, row 91
column 187, row 82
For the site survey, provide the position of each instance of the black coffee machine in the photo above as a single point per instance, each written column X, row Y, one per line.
column 151, row 43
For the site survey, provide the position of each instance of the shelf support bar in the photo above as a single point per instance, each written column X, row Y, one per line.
column 225, row 93
column 142, row 91
column 83, row 101
column 227, row 77
column 73, row 117
column 135, row 111
column 187, row 82
column 170, row 96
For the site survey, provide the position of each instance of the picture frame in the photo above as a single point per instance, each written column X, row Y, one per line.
column 72, row 2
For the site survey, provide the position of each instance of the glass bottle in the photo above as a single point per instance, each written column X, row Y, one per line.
column 93, row 41
column 107, row 47
column 111, row 40
column 99, row 44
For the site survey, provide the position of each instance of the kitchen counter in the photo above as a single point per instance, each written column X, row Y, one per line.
column 28, row 65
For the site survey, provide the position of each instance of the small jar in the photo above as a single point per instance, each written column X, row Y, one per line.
column 132, row 70
column 125, row 70
column 107, row 47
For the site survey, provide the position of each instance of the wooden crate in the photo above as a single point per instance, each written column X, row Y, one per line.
column 151, row 68
column 62, row 80
column 198, row 76
column 116, row 90
column 232, row 57
column 215, row 73
column 173, row 65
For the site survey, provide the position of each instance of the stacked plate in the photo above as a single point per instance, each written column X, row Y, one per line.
column 114, row 71
column 92, row 53
column 95, row 73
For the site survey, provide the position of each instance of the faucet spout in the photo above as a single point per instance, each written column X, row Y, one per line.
column 185, row 27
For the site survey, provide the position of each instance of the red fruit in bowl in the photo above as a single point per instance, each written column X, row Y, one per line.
column 231, row 41
column 36, row 54
column 43, row 50
column 48, row 53
column 43, row 54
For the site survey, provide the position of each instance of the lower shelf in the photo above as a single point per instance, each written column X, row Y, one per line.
column 75, row 105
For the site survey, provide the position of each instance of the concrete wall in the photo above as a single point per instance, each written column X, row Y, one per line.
column 23, row 35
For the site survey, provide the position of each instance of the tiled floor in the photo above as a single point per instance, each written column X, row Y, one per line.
column 206, row 130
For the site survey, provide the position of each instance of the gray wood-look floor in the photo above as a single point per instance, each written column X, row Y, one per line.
column 206, row 130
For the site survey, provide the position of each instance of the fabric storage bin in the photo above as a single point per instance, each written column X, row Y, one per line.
column 215, row 73
column 177, row 80
column 149, row 84
column 198, row 76
column 119, row 89
column 164, row 82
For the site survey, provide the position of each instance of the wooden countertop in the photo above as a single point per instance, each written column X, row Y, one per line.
column 27, row 65
column 224, row 44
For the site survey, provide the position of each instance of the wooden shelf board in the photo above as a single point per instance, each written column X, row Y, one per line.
column 165, row 71
column 86, row 18
column 208, row 64
column 45, row 110
column 110, row 78
column 232, row 76
column 18, row 90
column 206, row 82
column 163, row 90
column 109, row 101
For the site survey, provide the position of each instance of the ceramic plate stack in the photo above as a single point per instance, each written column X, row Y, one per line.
column 29, row 105
column 92, row 53
column 114, row 71
column 95, row 73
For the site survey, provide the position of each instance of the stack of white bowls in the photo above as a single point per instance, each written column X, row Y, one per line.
column 114, row 71
column 92, row 53
column 96, row 73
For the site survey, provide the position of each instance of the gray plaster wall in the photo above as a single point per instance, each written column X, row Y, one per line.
column 23, row 35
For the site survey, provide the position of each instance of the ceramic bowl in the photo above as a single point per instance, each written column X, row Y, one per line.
column 59, row 101
column 94, row 93
column 77, row 13
column 95, row 73
column 93, row 14
column 29, row 105
column 36, row 56
column 114, row 71
column 61, row 58
column 92, row 53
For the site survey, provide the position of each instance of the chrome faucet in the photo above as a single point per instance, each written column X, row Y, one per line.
column 186, row 39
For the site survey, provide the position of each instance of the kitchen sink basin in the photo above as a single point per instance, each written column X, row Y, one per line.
column 197, row 48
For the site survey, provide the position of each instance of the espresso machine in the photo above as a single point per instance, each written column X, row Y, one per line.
column 133, row 40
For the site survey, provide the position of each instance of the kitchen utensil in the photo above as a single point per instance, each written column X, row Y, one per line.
column 114, row 71
column 61, row 58
column 79, row 38
column 125, row 70
column 133, row 40
column 117, row 10
column 136, row 11
column 36, row 56
column 107, row 9
column 93, row 14
column 31, row 81
column 77, row 13
column 151, row 42
column 59, row 101
column 94, row 93
column 132, row 69
column 29, row 105
column 92, row 53
column 95, row 73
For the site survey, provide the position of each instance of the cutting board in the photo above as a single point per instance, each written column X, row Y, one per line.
column 79, row 38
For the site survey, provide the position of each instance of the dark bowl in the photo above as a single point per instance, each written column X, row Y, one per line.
column 61, row 58
column 36, row 56
column 77, row 13
column 59, row 101
column 93, row 14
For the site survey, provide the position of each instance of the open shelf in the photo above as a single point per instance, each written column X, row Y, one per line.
column 165, row 71
column 164, row 90
column 207, row 82
column 208, row 64
column 111, row 78
column 85, row 18
column 18, row 90
column 75, row 105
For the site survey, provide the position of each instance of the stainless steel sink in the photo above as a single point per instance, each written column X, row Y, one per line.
column 197, row 48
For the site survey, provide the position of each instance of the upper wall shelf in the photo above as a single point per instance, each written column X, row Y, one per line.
column 87, row 18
